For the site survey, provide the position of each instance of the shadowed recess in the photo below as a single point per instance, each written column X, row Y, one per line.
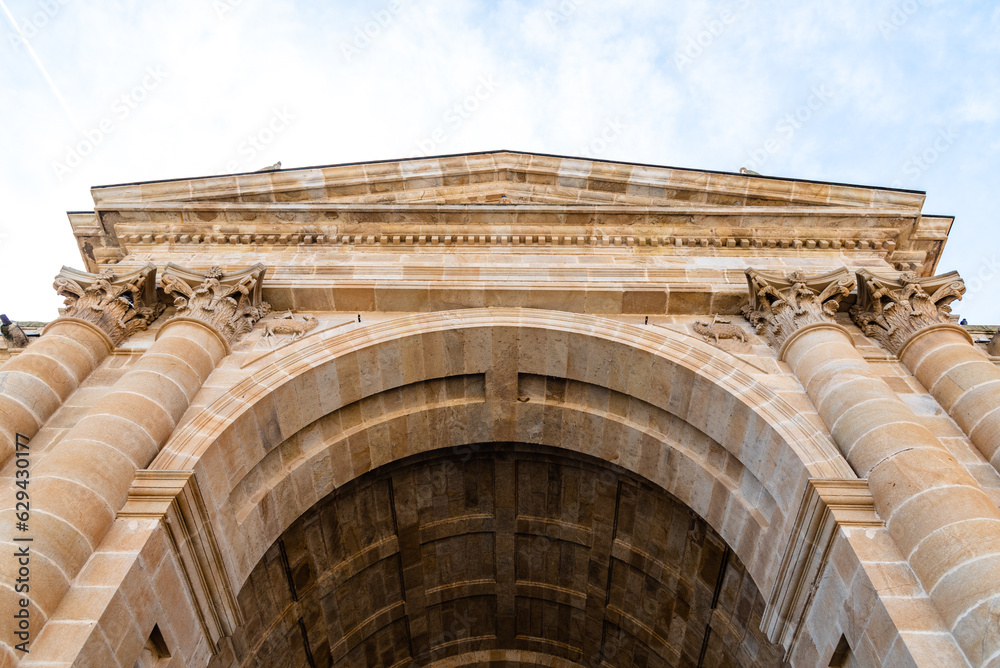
column 497, row 555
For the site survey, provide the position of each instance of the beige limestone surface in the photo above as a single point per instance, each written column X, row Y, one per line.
column 490, row 336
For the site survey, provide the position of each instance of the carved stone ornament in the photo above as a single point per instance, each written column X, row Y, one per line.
column 719, row 329
column 231, row 303
column 118, row 305
column 891, row 309
column 781, row 305
column 993, row 347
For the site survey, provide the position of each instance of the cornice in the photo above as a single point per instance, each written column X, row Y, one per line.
column 505, row 167
column 557, row 203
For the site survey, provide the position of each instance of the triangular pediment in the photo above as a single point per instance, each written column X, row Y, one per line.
column 505, row 177
column 505, row 199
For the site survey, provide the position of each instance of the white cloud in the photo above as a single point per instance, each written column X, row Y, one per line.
column 567, row 69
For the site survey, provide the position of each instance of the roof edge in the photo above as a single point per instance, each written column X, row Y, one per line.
column 532, row 153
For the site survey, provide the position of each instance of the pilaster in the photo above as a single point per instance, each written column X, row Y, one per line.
column 826, row 505
column 174, row 499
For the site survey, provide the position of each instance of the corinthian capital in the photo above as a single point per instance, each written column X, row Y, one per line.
column 781, row 305
column 231, row 303
column 891, row 309
column 118, row 305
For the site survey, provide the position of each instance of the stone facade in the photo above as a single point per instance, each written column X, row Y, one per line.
column 502, row 409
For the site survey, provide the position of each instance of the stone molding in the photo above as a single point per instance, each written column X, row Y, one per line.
column 401, row 205
column 735, row 242
column 189, row 441
column 781, row 305
column 175, row 498
column 118, row 305
column 100, row 333
column 892, row 309
column 230, row 303
column 827, row 504
column 505, row 171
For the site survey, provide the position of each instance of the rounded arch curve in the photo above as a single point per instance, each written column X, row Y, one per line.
column 630, row 395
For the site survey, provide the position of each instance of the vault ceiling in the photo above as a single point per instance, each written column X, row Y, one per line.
column 501, row 555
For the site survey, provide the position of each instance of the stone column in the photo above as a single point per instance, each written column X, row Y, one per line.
column 911, row 318
column 935, row 511
column 79, row 485
column 102, row 310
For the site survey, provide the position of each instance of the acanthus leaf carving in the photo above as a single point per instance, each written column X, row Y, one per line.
column 118, row 305
column 231, row 303
column 781, row 305
column 890, row 309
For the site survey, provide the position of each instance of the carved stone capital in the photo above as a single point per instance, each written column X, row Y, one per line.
column 230, row 303
column 891, row 309
column 993, row 347
column 118, row 305
column 782, row 305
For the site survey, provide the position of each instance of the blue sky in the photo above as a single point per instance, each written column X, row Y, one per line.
column 903, row 93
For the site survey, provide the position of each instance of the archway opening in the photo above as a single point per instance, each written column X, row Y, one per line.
column 501, row 554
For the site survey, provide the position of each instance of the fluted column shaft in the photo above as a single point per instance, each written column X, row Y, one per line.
column 82, row 482
column 935, row 511
column 35, row 383
column 962, row 380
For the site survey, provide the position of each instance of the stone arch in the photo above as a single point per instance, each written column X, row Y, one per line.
column 633, row 389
